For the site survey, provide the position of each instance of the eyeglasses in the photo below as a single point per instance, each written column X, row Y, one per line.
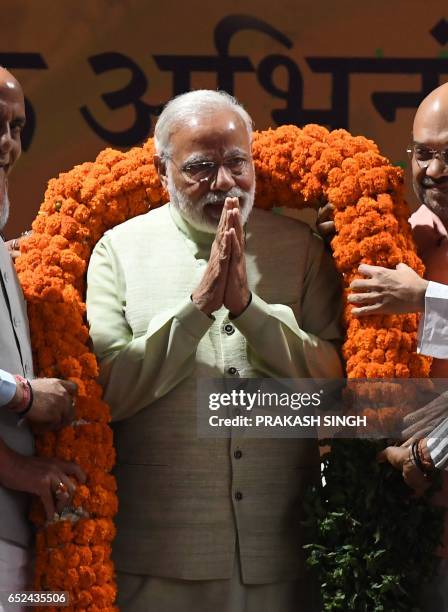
column 424, row 156
column 200, row 172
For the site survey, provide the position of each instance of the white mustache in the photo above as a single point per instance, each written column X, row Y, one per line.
column 219, row 198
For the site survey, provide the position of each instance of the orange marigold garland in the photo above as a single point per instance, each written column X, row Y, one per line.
column 295, row 168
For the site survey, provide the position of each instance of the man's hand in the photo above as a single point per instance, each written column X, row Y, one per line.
column 237, row 294
column 399, row 458
column 41, row 476
column 13, row 246
column 325, row 223
column 53, row 403
column 209, row 295
column 386, row 291
column 419, row 423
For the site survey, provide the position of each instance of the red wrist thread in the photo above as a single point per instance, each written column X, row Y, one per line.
column 27, row 396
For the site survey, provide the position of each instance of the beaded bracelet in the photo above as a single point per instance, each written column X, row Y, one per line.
column 416, row 456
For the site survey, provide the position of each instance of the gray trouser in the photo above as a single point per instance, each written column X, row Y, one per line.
column 139, row 593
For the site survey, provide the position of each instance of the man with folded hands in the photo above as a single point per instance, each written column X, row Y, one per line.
column 208, row 287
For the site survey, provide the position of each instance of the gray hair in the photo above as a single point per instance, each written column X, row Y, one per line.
column 184, row 106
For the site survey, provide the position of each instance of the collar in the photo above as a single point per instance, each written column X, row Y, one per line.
column 200, row 242
column 428, row 230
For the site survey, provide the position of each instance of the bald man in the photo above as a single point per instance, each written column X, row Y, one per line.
column 385, row 291
column 23, row 399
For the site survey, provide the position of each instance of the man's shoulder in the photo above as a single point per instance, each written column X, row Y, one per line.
column 271, row 224
column 150, row 221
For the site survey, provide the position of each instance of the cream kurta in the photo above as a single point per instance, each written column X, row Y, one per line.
column 180, row 515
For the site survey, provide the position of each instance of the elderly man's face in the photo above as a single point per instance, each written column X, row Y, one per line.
column 210, row 160
column 430, row 171
column 12, row 120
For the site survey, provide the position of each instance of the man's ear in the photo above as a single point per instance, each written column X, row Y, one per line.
column 160, row 166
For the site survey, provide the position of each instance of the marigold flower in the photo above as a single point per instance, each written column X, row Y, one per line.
column 295, row 168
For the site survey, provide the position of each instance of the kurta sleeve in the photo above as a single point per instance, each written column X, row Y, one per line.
column 433, row 328
column 278, row 346
column 135, row 371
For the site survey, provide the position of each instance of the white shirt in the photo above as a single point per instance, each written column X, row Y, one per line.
column 433, row 329
column 7, row 387
column 433, row 341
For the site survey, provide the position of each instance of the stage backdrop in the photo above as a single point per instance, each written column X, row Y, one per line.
column 96, row 73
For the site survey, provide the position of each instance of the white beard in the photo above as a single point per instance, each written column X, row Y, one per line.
column 194, row 213
column 4, row 210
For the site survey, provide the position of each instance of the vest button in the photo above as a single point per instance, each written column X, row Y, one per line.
column 232, row 371
column 229, row 329
column 238, row 496
column 237, row 454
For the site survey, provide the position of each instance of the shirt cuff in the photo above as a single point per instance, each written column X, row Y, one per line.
column 193, row 320
column 253, row 317
column 433, row 327
column 438, row 450
column 8, row 387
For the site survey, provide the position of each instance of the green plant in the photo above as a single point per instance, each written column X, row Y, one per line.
column 372, row 541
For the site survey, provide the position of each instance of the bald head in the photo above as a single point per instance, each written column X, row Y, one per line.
column 12, row 120
column 431, row 118
column 9, row 81
column 430, row 152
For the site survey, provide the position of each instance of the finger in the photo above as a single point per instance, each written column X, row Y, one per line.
column 364, row 298
column 236, row 247
column 62, row 486
column 63, row 492
column 418, row 432
column 48, row 502
column 224, row 247
column 238, row 225
column 326, row 213
column 326, row 229
column 236, row 252
column 426, row 414
column 222, row 221
column 72, row 469
column 230, row 219
column 408, row 442
column 368, row 270
column 364, row 284
column 231, row 203
column 369, row 310
column 402, row 266
column 226, row 259
column 69, row 386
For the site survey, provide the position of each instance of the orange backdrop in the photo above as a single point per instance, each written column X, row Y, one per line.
column 96, row 73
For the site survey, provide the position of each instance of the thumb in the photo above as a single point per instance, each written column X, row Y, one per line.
column 382, row 456
column 69, row 386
